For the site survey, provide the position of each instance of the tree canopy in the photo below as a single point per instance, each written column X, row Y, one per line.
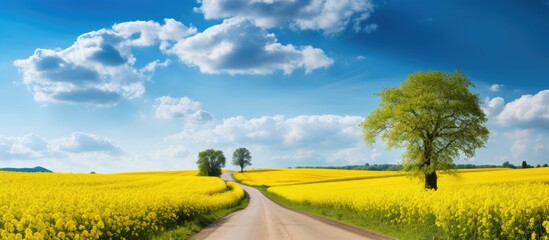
column 210, row 162
column 435, row 117
column 242, row 158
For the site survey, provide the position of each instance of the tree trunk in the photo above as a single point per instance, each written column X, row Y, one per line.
column 430, row 178
column 431, row 181
column 241, row 169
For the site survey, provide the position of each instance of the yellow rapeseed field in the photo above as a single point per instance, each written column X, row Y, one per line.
column 105, row 206
column 164, row 173
column 282, row 177
column 474, row 204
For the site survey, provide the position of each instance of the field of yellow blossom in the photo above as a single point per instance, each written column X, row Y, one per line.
column 106, row 206
column 282, row 177
column 473, row 204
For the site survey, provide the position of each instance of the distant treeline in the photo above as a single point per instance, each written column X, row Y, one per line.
column 395, row 167
column 34, row 169
column 377, row 167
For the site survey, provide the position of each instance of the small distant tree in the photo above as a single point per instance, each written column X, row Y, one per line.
column 525, row 165
column 505, row 164
column 210, row 162
column 242, row 158
column 545, row 165
column 435, row 117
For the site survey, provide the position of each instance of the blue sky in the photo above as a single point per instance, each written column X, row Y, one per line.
column 112, row 86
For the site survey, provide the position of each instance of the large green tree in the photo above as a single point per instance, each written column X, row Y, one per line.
column 435, row 117
column 242, row 158
column 210, row 162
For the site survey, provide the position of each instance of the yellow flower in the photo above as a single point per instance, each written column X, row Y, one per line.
column 117, row 206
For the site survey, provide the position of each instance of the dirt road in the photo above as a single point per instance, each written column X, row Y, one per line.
column 264, row 219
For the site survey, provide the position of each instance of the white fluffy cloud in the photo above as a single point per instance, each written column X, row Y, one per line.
column 323, row 131
column 32, row 146
column 519, row 130
column 304, row 140
column 517, row 145
column 527, row 111
column 184, row 108
column 98, row 69
column 350, row 155
column 495, row 87
column 28, row 146
column 492, row 107
column 85, row 142
column 367, row 29
column 514, row 145
column 237, row 46
column 149, row 33
column 91, row 71
column 329, row 16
